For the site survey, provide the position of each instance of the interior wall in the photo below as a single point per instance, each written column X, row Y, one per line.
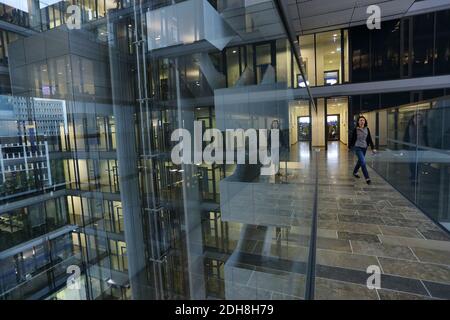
column 318, row 124
column 382, row 118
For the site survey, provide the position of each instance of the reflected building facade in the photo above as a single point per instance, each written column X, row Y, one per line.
column 87, row 119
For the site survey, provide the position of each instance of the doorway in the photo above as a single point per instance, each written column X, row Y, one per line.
column 333, row 127
column 304, row 128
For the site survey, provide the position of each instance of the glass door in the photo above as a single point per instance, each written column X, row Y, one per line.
column 333, row 128
column 304, row 128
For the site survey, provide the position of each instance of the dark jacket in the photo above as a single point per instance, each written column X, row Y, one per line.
column 354, row 136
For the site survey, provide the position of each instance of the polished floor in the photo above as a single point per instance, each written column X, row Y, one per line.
column 358, row 226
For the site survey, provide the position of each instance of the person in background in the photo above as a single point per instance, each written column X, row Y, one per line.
column 360, row 141
column 283, row 143
column 416, row 135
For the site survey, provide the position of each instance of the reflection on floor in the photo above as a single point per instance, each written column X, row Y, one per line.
column 358, row 226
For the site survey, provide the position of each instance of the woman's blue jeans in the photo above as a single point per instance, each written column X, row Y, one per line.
column 361, row 154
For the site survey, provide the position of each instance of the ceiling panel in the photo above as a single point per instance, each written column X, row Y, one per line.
column 326, row 20
column 319, row 15
column 320, row 7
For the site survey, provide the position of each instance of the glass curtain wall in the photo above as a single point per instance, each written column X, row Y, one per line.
column 415, row 46
column 325, row 57
column 86, row 141
column 217, row 207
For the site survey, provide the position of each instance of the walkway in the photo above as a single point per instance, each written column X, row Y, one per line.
column 359, row 225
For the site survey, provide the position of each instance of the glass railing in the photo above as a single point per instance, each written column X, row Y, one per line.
column 415, row 156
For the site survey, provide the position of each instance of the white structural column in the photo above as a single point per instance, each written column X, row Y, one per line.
column 2, row 164
column 24, row 147
column 48, row 164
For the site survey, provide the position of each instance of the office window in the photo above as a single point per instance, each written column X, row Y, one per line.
column 370, row 102
column 264, row 61
column 89, row 10
column 59, row 14
column 386, row 51
column 431, row 94
column 422, row 56
column 283, row 61
column 112, row 4
column 442, row 63
column 3, row 46
column 360, row 54
column 405, row 47
column 394, row 99
column 328, row 58
column 233, row 66
column 346, row 57
column 308, row 57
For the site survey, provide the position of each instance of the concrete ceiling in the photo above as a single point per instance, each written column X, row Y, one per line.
column 309, row 16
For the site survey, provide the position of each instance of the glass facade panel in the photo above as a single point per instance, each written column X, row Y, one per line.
column 308, row 56
column 386, row 51
column 442, row 61
column 422, row 45
column 233, row 66
column 86, row 140
column 328, row 58
column 346, row 57
column 415, row 163
column 360, row 54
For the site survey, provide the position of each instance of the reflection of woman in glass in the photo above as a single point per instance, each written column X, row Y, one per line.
column 361, row 139
column 415, row 136
column 283, row 143
column 274, row 125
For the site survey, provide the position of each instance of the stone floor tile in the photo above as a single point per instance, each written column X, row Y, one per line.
column 397, row 295
column 416, row 270
column 336, row 290
column 400, row 231
column 382, row 250
column 344, row 260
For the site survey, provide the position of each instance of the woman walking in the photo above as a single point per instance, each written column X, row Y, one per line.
column 361, row 140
